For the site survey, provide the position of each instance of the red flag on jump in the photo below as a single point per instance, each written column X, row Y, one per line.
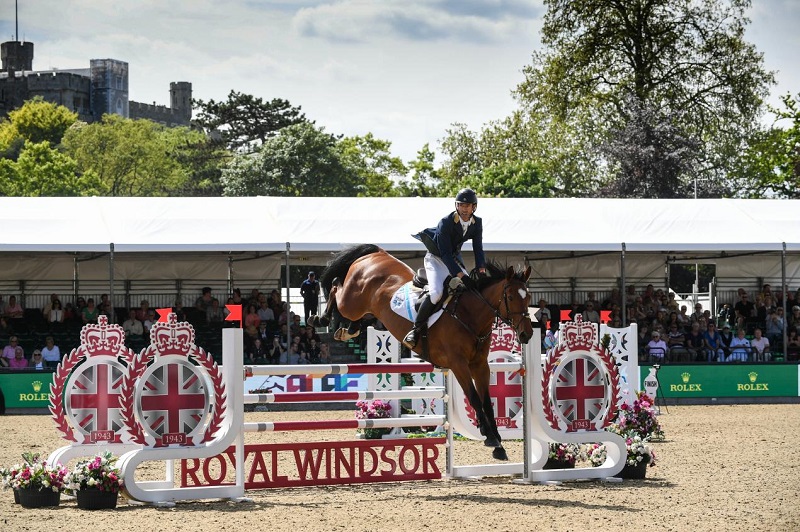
column 163, row 314
column 235, row 313
column 605, row 316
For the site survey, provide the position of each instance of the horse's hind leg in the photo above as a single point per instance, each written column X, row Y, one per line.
column 353, row 330
column 485, row 423
column 481, row 376
column 330, row 307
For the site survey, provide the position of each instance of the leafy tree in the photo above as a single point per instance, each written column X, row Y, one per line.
column 244, row 122
column 683, row 58
column 44, row 171
column 425, row 179
column 771, row 164
column 130, row 157
column 372, row 160
column 301, row 160
column 38, row 121
column 512, row 180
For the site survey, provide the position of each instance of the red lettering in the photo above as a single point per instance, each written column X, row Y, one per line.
column 362, row 461
column 345, row 462
column 403, row 451
column 388, row 460
column 430, row 453
column 189, row 468
column 223, row 470
column 310, row 460
column 259, row 468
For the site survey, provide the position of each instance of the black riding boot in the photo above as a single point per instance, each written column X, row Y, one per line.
column 424, row 312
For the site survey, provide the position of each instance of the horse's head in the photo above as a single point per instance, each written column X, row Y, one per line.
column 514, row 299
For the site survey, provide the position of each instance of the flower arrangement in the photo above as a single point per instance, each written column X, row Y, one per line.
column 639, row 418
column 34, row 474
column 376, row 409
column 596, row 454
column 638, row 451
column 564, row 452
column 100, row 473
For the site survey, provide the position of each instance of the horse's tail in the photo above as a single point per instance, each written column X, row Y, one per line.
column 340, row 263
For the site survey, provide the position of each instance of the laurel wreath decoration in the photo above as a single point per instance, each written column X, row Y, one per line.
column 550, row 364
column 56, row 397
column 136, row 368
column 613, row 376
column 207, row 362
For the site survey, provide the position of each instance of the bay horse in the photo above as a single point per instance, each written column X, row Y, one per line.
column 362, row 280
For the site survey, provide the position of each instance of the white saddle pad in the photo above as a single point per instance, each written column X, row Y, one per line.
column 404, row 301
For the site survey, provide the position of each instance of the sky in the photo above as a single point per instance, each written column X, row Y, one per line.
column 404, row 70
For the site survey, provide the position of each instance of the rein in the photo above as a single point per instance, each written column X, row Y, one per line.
column 507, row 319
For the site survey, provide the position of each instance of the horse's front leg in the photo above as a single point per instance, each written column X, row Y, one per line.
column 481, row 376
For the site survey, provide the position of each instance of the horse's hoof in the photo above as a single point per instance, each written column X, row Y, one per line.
column 499, row 454
column 491, row 442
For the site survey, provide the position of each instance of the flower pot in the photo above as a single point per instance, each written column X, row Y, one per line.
column 33, row 498
column 16, row 496
column 637, row 471
column 94, row 499
column 557, row 464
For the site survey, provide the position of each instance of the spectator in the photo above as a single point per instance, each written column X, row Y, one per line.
column 313, row 351
column 542, row 313
column 2, row 307
column 237, row 298
column 740, row 348
column 591, row 314
column 725, row 315
column 324, row 354
column 590, row 298
column 713, row 344
column 672, row 305
column 613, row 299
column 643, row 338
column 656, row 348
column 149, row 321
column 90, row 313
column 204, row 301
column 257, row 354
column 727, row 336
column 296, row 327
column 226, row 310
column 794, row 319
column 143, row 310
column 252, row 319
column 294, row 353
column 744, row 307
column 792, row 346
column 51, row 352
column 37, row 362
column 309, row 289
column 80, row 304
column 677, row 344
column 9, row 351
column 254, row 297
column 180, row 314
column 13, row 309
column 275, row 352
column 19, row 361
column 310, row 334
column 636, row 311
column 760, row 346
column 133, row 326
column 264, row 334
column 71, row 314
column 214, row 313
column 698, row 313
column 695, row 343
column 56, row 313
column 49, row 305
column 264, row 312
column 774, row 328
column 684, row 318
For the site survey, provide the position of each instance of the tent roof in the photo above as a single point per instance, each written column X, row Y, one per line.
column 266, row 224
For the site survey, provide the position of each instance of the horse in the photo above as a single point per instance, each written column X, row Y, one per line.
column 362, row 279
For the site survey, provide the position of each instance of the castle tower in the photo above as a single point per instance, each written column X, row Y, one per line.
column 181, row 99
column 109, row 87
column 16, row 56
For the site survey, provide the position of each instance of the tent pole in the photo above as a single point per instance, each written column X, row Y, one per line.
column 783, row 299
column 623, row 290
column 112, row 318
column 288, row 304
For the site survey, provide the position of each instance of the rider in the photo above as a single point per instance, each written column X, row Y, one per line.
column 443, row 258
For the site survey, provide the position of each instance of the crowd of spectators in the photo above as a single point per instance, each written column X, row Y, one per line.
column 267, row 323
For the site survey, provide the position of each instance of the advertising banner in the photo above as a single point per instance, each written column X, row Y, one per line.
column 740, row 380
column 26, row 389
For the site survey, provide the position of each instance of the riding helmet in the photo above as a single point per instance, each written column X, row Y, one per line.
column 467, row 195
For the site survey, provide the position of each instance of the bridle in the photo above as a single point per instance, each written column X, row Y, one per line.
column 508, row 319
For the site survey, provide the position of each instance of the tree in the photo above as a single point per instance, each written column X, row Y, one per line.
column 244, row 122
column 39, row 121
column 425, row 178
column 372, row 160
column 44, row 171
column 512, row 180
column 301, row 160
column 771, row 164
column 682, row 58
column 130, row 157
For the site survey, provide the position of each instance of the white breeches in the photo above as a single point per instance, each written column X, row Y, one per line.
column 437, row 272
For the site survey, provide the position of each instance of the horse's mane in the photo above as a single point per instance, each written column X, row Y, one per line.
column 340, row 263
column 494, row 273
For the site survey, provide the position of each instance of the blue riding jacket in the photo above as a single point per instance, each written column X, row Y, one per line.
column 445, row 241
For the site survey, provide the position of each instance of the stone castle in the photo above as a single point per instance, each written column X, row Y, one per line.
column 91, row 92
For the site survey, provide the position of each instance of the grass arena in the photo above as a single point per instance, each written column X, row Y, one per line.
column 722, row 467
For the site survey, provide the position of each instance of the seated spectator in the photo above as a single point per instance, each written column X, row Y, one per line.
column 90, row 312
column 636, row 311
column 56, row 312
column 614, row 298
column 51, row 353
column 684, row 318
column 324, row 354
column 591, row 314
column 180, row 313
column 313, row 350
column 590, row 298
column 19, row 361
column 698, row 313
column 696, row 344
column 37, row 362
column 144, row 308
column 760, row 345
column 643, row 338
column 256, row 354
column 13, row 309
column 149, row 321
column 727, row 337
column 49, row 305
column 310, row 334
column 276, row 351
column 214, row 313
column 740, row 348
column 794, row 319
column 713, row 343
column 264, row 312
column 542, row 313
column 676, row 341
column 793, row 346
column 296, row 327
column 204, row 301
column 252, row 319
column 132, row 326
column 726, row 315
column 656, row 348
column 774, row 328
column 9, row 351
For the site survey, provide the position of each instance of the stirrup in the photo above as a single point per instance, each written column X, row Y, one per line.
column 412, row 338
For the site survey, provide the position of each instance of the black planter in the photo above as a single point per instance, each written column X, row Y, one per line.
column 637, row 471
column 16, row 496
column 33, row 498
column 94, row 499
column 557, row 464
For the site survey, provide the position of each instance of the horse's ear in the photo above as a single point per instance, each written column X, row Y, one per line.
column 509, row 273
column 526, row 274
